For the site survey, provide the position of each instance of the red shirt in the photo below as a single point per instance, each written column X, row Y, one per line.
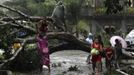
column 109, row 52
column 96, row 58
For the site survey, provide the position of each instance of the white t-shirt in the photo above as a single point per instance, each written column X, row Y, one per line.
column 90, row 41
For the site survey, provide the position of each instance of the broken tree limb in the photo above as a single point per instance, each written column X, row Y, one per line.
column 120, row 71
column 14, row 10
column 32, row 18
column 23, row 16
column 19, row 26
column 15, row 23
column 9, row 23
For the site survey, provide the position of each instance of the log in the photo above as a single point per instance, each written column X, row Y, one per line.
column 120, row 71
column 32, row 18
column 72, row 43
column 68, row 46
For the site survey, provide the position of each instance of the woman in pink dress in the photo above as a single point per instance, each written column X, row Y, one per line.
column 42, row 44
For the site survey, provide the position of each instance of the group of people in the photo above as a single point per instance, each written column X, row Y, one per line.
column 99, row 52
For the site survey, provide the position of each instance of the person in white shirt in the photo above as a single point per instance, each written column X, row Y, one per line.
column 89, row 39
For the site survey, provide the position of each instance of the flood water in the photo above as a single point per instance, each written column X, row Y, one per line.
column 65, row 59
column 62, row 60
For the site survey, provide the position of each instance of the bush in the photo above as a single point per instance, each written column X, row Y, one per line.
column 100, row 11
column 82, row 26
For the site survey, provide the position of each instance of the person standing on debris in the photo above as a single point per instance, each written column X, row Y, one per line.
column 42, row 43
column 96, row 57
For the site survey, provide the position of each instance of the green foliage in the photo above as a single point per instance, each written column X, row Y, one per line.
column 30, row 46
column 73, row 9
column 39, row 1
column 100, row 10
column 5, row 37
column 70, row 2
column 130, row 10
column 19, row 5
column 49, row 6
column 33, row 7
column 82, row 26
column 113, row 6
column 106, row 40
column 42, row 8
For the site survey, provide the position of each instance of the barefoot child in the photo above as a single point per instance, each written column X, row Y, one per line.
column 96, row 57
column 109, row 56
column 42, row 43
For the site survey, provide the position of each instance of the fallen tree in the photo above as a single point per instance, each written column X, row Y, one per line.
column 71, row 42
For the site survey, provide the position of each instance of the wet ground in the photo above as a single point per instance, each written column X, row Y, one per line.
column 62, row 61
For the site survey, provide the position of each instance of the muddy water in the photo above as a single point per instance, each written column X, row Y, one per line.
column 61, row 61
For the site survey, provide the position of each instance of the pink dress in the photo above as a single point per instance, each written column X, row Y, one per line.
column 43, row 50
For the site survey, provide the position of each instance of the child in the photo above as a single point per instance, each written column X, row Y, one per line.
column 42, row 43
column 109, row 56
column 96, row 57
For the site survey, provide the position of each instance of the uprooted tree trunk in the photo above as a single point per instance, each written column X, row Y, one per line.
column 72, row 43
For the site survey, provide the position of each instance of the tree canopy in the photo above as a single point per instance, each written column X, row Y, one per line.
column 113, row 6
